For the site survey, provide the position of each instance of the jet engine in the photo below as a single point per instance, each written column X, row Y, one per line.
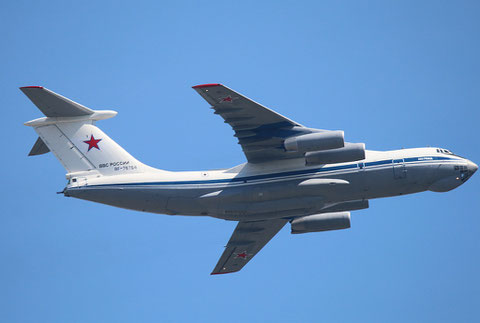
column 321, row 222
column 351, row 152
column 315, row 141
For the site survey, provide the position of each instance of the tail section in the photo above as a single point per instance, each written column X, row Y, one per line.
column 69, row 132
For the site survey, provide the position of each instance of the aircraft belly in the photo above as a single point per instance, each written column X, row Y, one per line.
column 286, row 199
column 273, row 200
column 248, row 199
column 264, row 200
column 147, row 200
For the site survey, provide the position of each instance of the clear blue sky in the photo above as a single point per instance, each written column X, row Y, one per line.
column 391, row 74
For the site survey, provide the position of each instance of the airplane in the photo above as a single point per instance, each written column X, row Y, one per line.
column 309, row 177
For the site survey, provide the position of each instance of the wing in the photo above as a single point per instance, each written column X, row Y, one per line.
column 260, row 131
column 246, row 241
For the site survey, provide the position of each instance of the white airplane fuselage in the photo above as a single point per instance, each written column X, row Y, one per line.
column 280, row 189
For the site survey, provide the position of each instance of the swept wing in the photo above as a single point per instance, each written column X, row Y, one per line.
column 246, row 241
column 260, row 131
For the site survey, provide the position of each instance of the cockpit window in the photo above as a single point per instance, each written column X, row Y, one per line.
column 444, row 151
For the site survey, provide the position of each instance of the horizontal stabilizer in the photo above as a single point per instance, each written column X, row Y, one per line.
column 53, row 104
column 39, row 148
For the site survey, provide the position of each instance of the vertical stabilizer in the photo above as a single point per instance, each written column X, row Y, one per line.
column 69, row 132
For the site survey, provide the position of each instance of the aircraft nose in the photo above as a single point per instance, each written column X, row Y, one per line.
column 472, row 167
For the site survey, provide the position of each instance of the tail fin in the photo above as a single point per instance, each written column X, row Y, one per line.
column 69, row 132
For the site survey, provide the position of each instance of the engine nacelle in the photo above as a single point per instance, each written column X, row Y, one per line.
column 351, row 152
column 321, row 222
column 315, row 141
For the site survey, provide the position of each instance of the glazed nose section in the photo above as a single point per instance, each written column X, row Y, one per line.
column 450, row 177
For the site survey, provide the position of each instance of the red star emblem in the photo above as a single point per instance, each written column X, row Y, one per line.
column 227, row 99
column 92, row 143
column 242, row 255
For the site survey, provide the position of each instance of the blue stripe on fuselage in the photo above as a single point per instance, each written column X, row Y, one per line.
column 284, row 174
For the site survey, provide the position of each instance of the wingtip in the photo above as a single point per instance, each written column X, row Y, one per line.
column 205, row 85
column 225, row 272
column 31, row 87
